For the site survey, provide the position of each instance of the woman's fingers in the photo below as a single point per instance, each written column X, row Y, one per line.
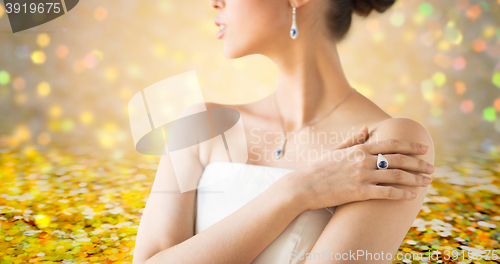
column 399, row 177
column 405, row 162
column 357, row 138
column 396, row 146
column 389, row 192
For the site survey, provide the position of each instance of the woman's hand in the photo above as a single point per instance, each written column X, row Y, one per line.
column 349, row 173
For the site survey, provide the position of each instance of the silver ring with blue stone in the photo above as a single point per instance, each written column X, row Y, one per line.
column 382, row 162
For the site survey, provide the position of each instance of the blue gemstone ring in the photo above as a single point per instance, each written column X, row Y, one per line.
column 382, row 162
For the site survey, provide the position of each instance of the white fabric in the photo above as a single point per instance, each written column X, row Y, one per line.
column 226, row 188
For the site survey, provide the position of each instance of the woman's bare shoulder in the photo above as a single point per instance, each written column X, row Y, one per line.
column 244, row 108
column 403, row 126
column 233, row 119
column 404, row 129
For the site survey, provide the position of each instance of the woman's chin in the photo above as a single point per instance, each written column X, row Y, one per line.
column 232, row 53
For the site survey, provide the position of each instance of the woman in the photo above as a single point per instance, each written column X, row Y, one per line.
column 301, row 208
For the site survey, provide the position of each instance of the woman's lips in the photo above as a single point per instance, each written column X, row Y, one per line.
column 222, row 29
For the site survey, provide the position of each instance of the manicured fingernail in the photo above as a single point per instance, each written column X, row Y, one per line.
column 413, row 195
column 427, row 181
column 430, row 168
column 423, row 147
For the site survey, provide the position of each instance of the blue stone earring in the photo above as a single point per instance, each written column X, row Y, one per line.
column 294, row 31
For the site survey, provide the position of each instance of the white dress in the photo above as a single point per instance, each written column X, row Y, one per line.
column 219, row 196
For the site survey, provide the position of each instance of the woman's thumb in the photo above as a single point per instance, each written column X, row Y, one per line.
column 362, row 134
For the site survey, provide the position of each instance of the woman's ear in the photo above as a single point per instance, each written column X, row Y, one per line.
column 299, row 3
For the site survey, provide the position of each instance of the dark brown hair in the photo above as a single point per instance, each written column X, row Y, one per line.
column 340, row 14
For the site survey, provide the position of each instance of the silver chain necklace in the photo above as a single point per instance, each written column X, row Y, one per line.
column 281, row 151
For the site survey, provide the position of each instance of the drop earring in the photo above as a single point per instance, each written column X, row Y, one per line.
column 294, row 31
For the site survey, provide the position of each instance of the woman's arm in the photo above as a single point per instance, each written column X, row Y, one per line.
column 168, row 218
column 241, row 236
column 166, row 231
column 375, row 226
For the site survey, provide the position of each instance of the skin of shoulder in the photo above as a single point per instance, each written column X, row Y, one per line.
column 208, row 151
column 378, row 225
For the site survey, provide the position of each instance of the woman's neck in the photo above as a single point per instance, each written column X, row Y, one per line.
column 310, row 83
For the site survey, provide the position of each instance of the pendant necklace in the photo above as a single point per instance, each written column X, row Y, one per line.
column 281, row 151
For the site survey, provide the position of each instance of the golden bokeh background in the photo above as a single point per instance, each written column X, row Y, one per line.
column 70, row 175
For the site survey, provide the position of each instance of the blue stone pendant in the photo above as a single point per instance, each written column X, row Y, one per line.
column 278, row 154
column 281, row 151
